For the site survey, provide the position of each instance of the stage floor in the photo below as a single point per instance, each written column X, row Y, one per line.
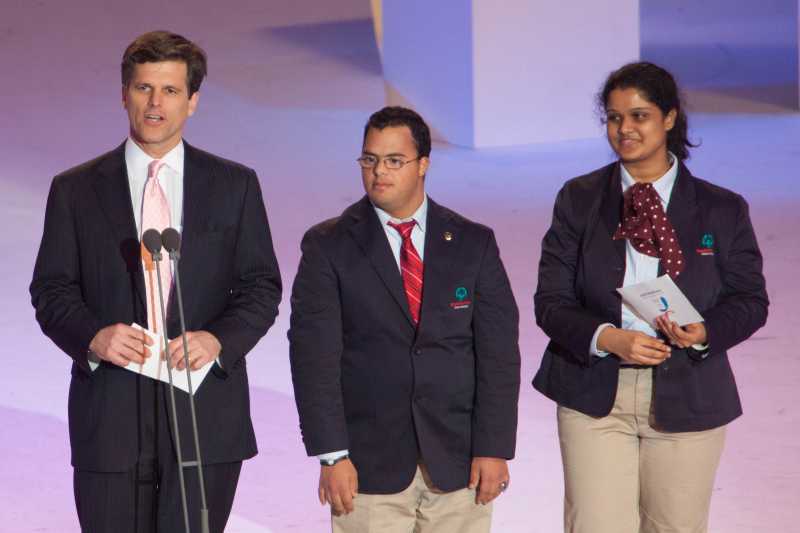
column 290, row 87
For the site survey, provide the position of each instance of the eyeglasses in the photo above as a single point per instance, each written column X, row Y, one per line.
column 391, row 162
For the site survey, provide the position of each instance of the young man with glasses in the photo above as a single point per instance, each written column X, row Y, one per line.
column 404, row 350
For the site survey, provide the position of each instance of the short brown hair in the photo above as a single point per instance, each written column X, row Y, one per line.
column 156, row 46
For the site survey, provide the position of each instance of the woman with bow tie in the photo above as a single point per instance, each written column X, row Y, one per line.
column 642, row 407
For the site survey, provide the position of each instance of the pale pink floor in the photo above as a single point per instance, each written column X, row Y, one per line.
column 291, row 84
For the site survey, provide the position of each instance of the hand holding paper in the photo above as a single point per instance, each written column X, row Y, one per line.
column 156, row 368
column 688, row 335
column 661, row 296
column 203, row 348
column 633, row 347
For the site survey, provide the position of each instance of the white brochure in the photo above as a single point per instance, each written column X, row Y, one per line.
column 651, row 299
column 156, row 368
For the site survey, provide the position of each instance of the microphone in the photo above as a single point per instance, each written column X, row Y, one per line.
column 171, row 240
column 152, row 241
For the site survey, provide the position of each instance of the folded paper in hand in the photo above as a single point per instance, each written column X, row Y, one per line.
column 651, row 299
column 156, row 368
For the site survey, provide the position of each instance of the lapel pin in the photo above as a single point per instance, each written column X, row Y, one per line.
column 448, row 236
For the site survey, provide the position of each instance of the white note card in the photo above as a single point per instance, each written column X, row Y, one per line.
column 156, row 368
column 651, row 299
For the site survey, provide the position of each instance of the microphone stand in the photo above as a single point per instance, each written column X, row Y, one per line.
column 156, row 260
column 174, row 255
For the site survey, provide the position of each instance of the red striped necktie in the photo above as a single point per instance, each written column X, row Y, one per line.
column 411, row 268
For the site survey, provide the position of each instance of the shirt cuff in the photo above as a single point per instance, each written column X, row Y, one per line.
column 332, row 456
column 701, row 349
column 93, row 360
column 593, row 348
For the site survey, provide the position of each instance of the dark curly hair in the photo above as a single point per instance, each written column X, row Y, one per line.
column 402, row 116
column 156, row 46
column 658, row 86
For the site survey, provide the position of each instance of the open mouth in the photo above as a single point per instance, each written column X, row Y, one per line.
column 150, row 117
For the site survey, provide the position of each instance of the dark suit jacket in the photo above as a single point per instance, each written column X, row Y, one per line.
column 365, row 379
column 581, row 267
column 88, row 275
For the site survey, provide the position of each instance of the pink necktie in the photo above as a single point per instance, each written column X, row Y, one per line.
column 155, row 214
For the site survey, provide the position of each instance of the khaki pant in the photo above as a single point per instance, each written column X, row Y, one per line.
column 421, row 508
column 623, row 476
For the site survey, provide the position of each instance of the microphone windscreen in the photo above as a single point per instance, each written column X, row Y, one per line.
column 152, row 240
column 171, row 239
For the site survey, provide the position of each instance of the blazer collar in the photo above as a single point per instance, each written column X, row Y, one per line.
column 443, row 240
column 611, row 208
column 367, row 231
column 682, row 214
column 114, row 198
column 198, row 173
column 439, row 252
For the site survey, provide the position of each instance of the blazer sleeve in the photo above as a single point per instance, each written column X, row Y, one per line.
column 741, row 308
column 558, row 311
column 496, row 341
column 256, row 291
column 55, row 289
column 315, row 350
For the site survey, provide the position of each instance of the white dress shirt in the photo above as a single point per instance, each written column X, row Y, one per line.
column 170, row 177
column 420, row 216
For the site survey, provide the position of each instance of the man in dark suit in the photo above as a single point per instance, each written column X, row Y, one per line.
column 91, row 283
column 404, row 350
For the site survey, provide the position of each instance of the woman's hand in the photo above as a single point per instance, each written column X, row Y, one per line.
column 682, row 337
column 633, row 347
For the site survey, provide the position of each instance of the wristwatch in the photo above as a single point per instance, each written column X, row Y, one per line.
column 331, row 462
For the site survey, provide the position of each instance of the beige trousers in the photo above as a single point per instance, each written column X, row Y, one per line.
column 623, row 476
column 421, row 508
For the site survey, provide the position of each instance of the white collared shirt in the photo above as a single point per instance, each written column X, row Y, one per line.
column 639, row 267
column 420, row 216
column 170, row 176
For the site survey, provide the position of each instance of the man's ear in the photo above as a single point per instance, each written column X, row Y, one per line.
column 193, row 101
column 424, row 163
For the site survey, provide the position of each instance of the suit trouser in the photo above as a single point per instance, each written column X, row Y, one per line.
column 146, row 498
column 421, row 508
column 621, row 475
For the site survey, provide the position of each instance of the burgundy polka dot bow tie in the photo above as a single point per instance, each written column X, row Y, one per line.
column 645, row 224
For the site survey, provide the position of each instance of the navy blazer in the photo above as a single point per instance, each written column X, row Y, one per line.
column 582, row 266
column 367, row 380
column 88, row 275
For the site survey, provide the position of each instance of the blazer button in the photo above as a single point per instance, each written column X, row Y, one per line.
column 417, row 351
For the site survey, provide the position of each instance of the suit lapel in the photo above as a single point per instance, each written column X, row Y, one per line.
column 197, row 193
column 371, row 237
column 114, row 198
column 682, row 214
column 611, row 212
column 438, row 259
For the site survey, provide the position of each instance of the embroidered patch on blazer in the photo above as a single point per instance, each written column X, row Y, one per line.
column 706, row 245
column 461, row 299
